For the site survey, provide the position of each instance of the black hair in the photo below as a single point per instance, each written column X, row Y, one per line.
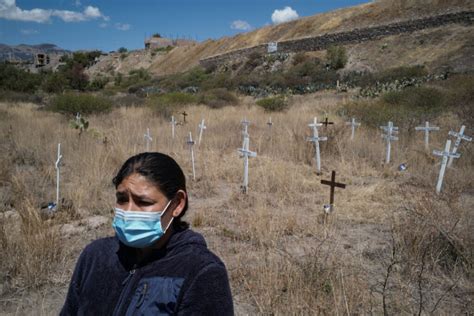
column 161, row 170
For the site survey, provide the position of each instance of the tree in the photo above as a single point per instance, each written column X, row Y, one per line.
column 336, row 57
column 122, row 50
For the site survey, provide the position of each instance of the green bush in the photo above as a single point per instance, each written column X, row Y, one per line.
column 14, row 96
column 14, row 79
column 273, row 104
column 166, row 104
column 83, row 103
column 218, row 98
column 336, row 57
column 405, row 108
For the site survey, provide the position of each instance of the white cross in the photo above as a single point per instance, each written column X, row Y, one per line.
column 316, row 139
column 269, row 123
column 427, row 128
column 173, row 125
column 445, row 154
column 57, row 165
column 191, row 143
column 245, row 125
column 389, row 130
column 148, row 139
column 353, row 125
column 246, row 153
column 201, row 128
column 459, row 137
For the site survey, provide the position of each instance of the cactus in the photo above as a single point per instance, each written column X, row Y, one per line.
column 79, row 123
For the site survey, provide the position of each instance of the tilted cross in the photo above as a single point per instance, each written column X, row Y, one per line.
column 333, row 185
column 459, row 137
column 427, row 128
column 389, row 130
column 148, row 139
column 445, row 154
column 246, row 153
column 191, row 143
column 316, row 139
column 353, row 125
column 201, row 128
column 57, row 165
column 173, row 125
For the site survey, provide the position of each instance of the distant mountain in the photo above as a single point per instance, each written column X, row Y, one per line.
column 26, row 53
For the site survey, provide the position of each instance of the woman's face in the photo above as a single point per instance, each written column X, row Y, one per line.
column 136, row 193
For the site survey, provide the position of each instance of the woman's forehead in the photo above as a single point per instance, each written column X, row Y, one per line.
column 138, row 185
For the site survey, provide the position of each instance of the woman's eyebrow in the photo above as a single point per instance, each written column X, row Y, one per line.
column 141, row 197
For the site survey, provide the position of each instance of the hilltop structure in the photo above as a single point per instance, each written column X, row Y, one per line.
column 156, row 41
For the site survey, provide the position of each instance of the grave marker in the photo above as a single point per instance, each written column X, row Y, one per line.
column 326, row 122
column 173, row 126
column 353, row 125
column 184, row 114
column 316, row 139
column 246, row 153
column 269, row 123
column 191, row 143
column 459, row 137
column 389, row 130
column 329, row 208
column 445, row 154
column 427, row 128
column 148, row 139
column 201, row 128
column 57, row 165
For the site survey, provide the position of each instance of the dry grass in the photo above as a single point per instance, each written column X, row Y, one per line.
column 391, row 245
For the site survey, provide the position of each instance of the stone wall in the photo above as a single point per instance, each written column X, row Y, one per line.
column 343, row 38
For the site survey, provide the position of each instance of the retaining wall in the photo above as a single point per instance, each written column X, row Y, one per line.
column 349, row 37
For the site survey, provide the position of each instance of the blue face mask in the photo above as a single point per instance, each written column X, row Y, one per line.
column 139, row 229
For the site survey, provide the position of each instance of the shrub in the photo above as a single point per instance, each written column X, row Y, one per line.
column 165, row 104
column 83, row 103
column 14, row 96
column 12, row 78
column 98, row 83
column 299, row 58
column 218, row 98
column 405, row 108
column 336, row 57
column 54, row 82
column 273, row 104
column 122, row 50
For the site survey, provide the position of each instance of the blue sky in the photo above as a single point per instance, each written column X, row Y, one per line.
column 108, row 25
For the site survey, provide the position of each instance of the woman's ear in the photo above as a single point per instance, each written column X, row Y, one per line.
column 180, row 203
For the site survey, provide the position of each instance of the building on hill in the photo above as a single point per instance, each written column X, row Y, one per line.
column 162, row 42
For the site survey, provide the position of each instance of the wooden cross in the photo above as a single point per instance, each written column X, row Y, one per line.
column 389, row 129
column 445, row 154
column 246, row 153
column 459, row 137
column 191, row 143
column 326, row 122
column 427, row 128
column 316, row 139
column 333, row 185
column 353, row 125
column 201, row 128
column 148, row 139
column 184, row 114
column 57, row 165
column 173, row 125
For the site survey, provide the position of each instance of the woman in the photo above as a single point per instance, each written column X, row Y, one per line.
column 154, row 265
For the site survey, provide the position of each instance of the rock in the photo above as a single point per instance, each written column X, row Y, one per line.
column 95, row 222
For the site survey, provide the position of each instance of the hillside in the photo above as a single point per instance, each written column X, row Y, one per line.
column 25, row 53
column 453, row 41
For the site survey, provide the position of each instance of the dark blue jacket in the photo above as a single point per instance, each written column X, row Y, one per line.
column 183, row 278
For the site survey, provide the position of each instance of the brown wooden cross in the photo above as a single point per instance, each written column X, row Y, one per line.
column 184, row 114
column 326, row 122
column 333, row 185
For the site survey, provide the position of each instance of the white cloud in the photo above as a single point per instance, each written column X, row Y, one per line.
column 240, row 25
column 103, row 25
column 122, row 26
column 28, row 32
column 77, row 3
column 284, row 15
column 10, row 11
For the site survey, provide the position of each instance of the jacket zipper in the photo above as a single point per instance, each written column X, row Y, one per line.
column 141, row 298
column 126, row 283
